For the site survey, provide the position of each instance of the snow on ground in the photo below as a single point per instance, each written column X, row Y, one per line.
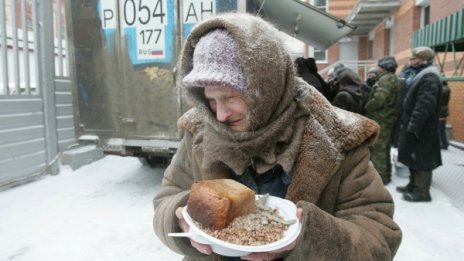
column 431, row 231
column 103, row 211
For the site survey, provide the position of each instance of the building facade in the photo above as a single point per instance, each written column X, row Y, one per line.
column 394, row 27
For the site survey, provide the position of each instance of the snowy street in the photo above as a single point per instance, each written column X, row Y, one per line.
column 103, row 211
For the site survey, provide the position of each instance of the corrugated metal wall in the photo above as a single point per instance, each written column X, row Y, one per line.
column 64, row 114
column 22, row 132
column 22, row 141
column 36, row 116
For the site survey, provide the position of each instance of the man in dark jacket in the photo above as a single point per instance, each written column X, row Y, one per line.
column 419, row 144
column 332, row 82
column 307, row 69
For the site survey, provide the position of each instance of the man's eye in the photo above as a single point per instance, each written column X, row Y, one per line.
column 212, row 103
column 233, row 100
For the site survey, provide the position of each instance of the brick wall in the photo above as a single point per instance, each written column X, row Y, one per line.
column 381, row 42
column 363, row 48
column 456, row 107
column 407, row 20
column 438, row 10
column 341, row 8
column 442, row 8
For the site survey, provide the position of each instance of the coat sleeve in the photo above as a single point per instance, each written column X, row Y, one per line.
column 361, row 226
column 427, row 98
column 174, row 191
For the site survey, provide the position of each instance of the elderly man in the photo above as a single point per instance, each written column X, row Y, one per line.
column 419, row 143
column 256, row 122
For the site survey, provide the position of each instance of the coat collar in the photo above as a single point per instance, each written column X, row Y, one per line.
column 330, row 133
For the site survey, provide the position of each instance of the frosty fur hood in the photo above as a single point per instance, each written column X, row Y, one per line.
column 269, row 72
column 267, row 66
column 329, row 131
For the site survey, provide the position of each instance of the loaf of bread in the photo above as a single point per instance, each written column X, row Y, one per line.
column 215, row 203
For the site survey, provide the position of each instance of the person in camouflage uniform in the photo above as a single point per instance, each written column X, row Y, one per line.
column 381, row 107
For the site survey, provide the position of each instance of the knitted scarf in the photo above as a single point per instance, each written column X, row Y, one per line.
column 276, row 143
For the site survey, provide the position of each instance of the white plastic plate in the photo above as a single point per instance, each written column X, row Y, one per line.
column 287, row 210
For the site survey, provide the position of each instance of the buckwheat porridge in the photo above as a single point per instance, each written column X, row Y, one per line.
column 263, row 226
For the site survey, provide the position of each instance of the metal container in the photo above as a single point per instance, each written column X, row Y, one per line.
column 122, row 59
column 123, row 54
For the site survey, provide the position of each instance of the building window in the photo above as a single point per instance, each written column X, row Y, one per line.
column 424, row 11
column 425, row 15
column 320, row 4
column 370, row 49
column 319, row 56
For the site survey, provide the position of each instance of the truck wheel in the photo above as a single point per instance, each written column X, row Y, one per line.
column 155, row 161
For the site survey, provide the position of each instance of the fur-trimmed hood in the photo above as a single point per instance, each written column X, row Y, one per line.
column 275, row 118
column 329, row 133
column 282, row 107
column 343, row 130
column 267, row 65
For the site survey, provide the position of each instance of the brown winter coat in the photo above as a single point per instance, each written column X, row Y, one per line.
column 347, row 211
column 348, row 214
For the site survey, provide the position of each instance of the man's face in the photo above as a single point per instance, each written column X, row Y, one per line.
column 229, row 105
column 414, row 62
column 371, row 75
column 330, row 76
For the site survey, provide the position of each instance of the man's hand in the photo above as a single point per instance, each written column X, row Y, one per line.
column 276, row 253
column 202, row 248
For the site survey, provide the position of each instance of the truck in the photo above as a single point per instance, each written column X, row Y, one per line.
column 123, row 56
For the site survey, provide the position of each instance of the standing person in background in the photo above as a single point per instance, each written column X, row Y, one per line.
column 400, row 169
column 349, row 94
column 419, row 144
column 332, row 82
column 408, row 73
column 322, row 88
column 307, row 70
column 399, row 108
column 443, row 114
column 381, row 107
column 254, row 121
column 372, row 77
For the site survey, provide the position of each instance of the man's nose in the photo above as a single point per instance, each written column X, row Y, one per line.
column 222, row 112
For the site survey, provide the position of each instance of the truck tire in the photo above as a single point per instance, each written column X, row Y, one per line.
column 155, row 161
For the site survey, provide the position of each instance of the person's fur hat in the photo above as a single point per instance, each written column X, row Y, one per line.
column 216, row 62
column 374, row 70
column 388, row 63
column 347, row 77
column 311, row 64
column 423, row 53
